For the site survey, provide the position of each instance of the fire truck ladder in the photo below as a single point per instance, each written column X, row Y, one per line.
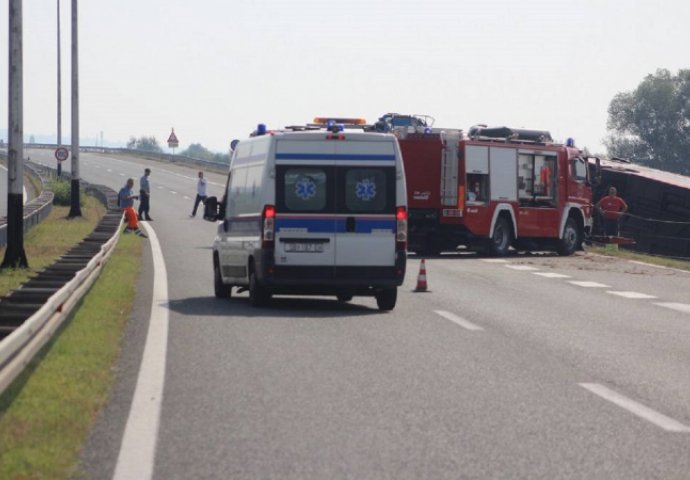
column 449, row 169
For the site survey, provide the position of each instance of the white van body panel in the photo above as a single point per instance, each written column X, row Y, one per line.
column 335, row 203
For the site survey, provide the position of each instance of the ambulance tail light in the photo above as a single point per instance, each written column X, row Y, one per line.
column 268, row 217
column 401, row 229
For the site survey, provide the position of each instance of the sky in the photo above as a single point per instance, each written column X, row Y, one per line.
column 214, row 69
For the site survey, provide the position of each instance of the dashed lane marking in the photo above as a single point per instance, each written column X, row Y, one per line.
column 524, row 268
column 588, row 284
column 679, row 307
column 459, row 320
column 631, row 295
column 551, row 274
column 642, row 411
column 494, row 260
column 173, row 192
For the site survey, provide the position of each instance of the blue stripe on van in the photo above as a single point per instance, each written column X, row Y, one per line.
column 335, row 156
column 335, row 225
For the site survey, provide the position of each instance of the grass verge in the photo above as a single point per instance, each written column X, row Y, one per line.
column 654, row 260
column 45, row 242
column 47, row 413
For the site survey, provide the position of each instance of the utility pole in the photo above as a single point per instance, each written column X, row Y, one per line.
column 14, row 255
column 75, row 208
column 59, row 89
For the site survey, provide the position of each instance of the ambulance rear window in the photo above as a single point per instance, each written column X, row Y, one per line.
column 305, row 189
column 368, row 189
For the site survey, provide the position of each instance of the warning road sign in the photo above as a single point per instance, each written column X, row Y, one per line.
column 172, row 140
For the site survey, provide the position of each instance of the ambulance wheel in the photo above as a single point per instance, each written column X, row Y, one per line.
column 502, row 238
column 344, row 297
column 386, row 299
column 258, row 295
column 572, row 238
column 219, row 288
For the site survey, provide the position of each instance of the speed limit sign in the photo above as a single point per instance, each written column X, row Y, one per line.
column 61, row 154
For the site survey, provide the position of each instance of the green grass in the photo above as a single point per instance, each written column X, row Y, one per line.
column 654, row 260
column 45, row 242
column 47, row 413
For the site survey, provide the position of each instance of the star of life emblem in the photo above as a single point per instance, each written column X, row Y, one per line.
column 365, row 190
column 305, row 188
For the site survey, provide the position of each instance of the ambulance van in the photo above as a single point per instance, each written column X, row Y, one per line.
column 312, row 212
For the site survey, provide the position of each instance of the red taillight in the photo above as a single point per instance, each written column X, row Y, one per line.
column 268, row 217
column 401, row 228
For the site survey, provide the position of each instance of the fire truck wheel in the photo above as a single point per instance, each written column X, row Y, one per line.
column 572, row 238
column 502, row 238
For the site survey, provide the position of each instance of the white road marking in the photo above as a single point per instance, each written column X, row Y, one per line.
column 551, row 274
column 186, row 197
column 642, row 411
column 122, row 174
column 494, row 260
column 680, row 307
column 525, row 268
column 138, row 448
column 631, row 295
column 159, row 187
column 589, row 284
column 459, row 321
column 173, row 192
column 110, row 170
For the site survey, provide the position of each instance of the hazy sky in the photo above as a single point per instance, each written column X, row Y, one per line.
column 213, row 69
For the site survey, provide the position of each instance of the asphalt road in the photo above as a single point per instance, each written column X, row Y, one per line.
column 529, row 367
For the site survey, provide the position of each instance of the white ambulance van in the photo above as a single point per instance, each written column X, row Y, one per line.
column 312, row 212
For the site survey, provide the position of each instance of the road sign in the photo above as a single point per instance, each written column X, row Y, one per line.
column 172, row 140
column 61, row 154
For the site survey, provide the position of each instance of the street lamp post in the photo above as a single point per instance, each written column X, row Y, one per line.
column 15, row 255
column 59, row 89
column 75, row 208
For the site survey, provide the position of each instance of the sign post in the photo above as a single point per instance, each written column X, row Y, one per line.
column 173, row 143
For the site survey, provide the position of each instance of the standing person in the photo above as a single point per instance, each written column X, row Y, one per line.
column 125, row 200
column 612, row 207
column 145, row 196
column 200, row 193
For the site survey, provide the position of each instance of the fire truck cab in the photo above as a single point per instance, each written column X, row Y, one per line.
column 494, row 189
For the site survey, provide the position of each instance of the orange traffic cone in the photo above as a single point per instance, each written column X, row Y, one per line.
column 421, row 278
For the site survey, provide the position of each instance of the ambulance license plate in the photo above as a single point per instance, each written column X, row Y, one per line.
column 304, row 247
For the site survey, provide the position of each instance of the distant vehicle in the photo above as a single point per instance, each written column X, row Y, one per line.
column 312, row 210
column 492, row 190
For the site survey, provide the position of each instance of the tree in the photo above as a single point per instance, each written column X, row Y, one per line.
column 149, row 144
column 651, row 125
column 196, row 150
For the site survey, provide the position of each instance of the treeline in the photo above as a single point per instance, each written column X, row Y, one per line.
column 651, row 124
column 195, row 150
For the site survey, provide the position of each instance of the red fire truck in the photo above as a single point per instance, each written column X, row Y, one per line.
column 492, row 189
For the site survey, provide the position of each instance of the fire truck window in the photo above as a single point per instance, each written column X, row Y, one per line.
column 477, row 188
column 537, row 179
column 579, row 170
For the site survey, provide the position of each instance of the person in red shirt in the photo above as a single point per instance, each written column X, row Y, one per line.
column 612, row 207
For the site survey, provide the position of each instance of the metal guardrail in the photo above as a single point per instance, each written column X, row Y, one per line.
column 163, row 157
column 35, row 211
column 31, row 314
